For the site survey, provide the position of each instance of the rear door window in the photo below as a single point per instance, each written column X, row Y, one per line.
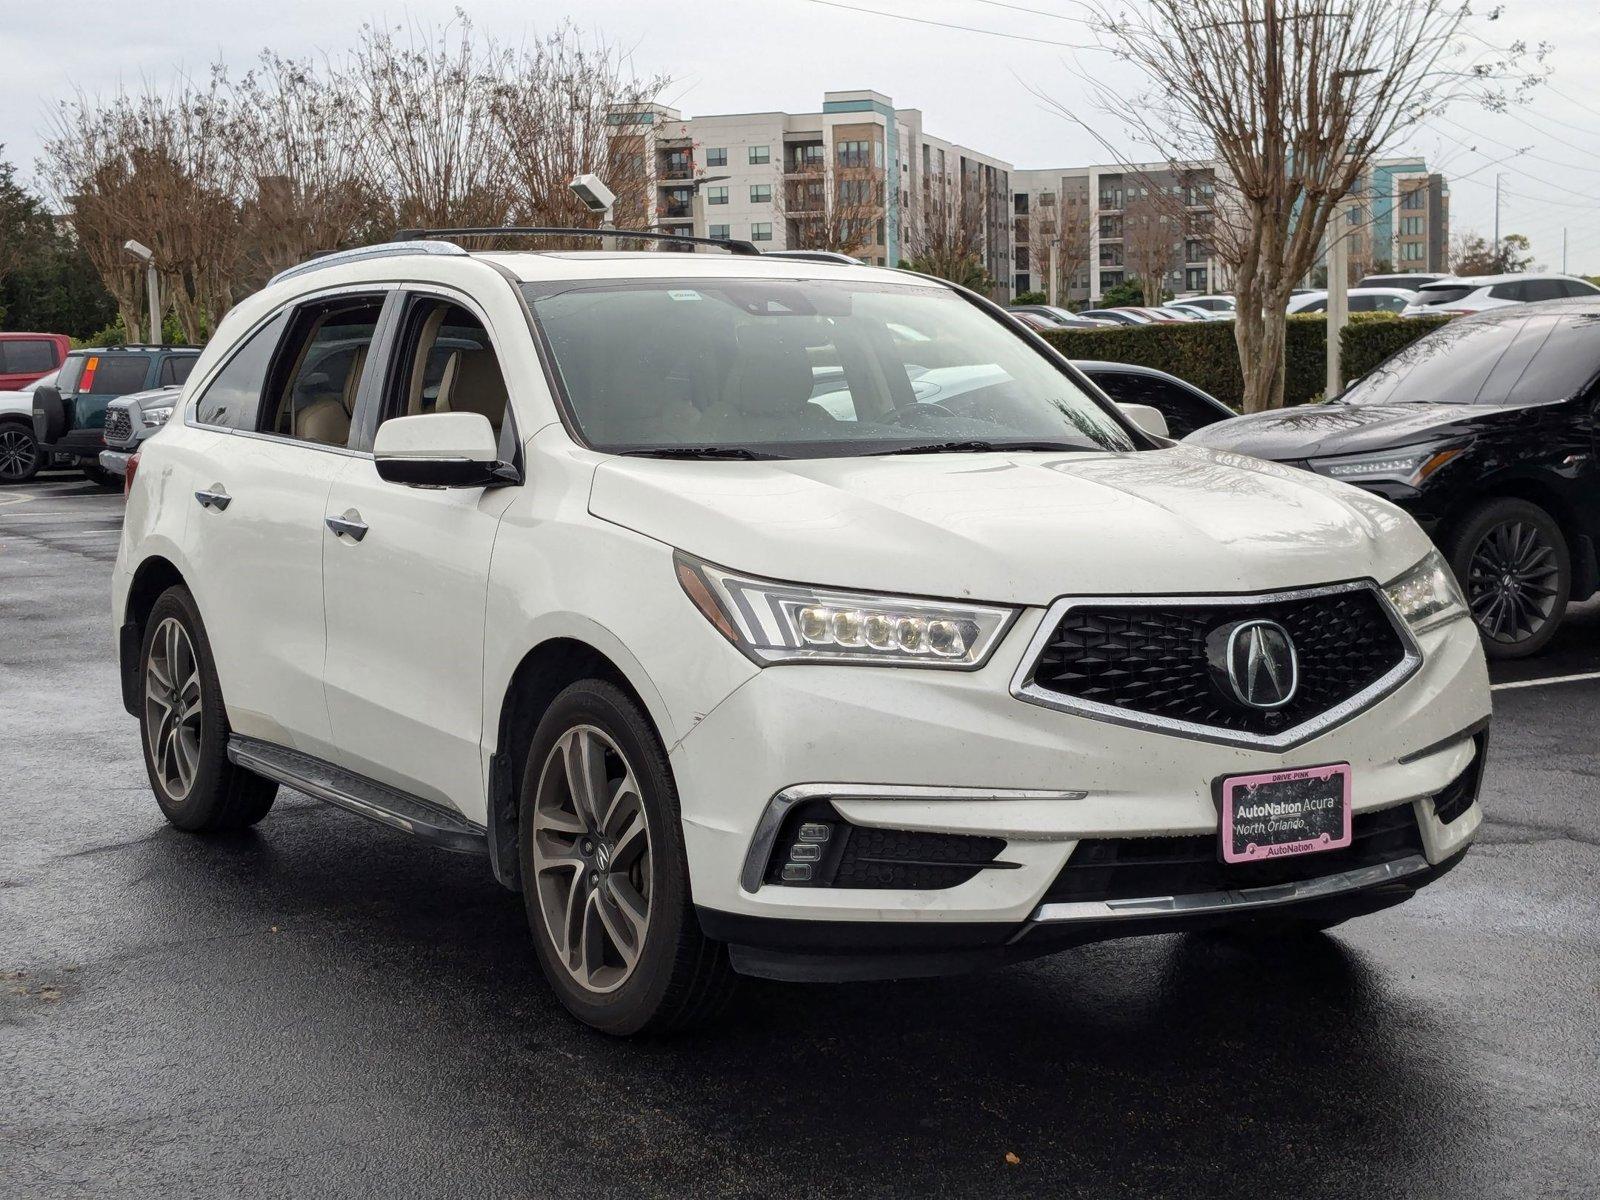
column 233, row 397
column 175, row 369
column 1445, row 294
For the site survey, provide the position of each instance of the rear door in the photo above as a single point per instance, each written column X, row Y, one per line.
column 281, row 410
column 404, row 603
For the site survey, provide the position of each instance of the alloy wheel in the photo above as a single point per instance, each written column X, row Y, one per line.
column 172, row 708
column 19, row 454
column 591, row 858
column 1512, row 582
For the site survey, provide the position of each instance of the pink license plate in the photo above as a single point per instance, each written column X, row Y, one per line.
column 1285, row 812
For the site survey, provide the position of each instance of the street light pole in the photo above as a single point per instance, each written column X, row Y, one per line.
column 1338, row 297
column 152, row 285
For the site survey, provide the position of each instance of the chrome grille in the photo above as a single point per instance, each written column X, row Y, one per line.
column 119, row 426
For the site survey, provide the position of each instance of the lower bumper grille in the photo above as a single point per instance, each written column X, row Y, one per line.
column 1462, row 792
column 1131, row 868
column 818, row 848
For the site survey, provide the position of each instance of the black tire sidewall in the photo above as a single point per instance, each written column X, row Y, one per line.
column 100, row 477
column 200, row 809
column 38, row 452
column 1469, row 533
column 634, row 1006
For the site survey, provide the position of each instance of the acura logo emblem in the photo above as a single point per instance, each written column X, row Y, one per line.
column 1254, row 662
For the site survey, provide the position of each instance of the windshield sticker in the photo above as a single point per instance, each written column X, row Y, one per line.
column 684, row 295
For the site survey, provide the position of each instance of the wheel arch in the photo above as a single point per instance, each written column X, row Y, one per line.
column 1580, row 545
column 150, row 579
column 538, row 678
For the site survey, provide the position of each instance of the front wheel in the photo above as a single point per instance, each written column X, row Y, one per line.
column 604, row 874
column 1513, row 563
column 184, row 729
column 20, row 457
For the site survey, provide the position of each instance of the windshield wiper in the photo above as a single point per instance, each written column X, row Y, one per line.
column 736, row 452
column 977, row 447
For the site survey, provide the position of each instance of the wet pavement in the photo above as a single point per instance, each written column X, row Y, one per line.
column 320, row 1007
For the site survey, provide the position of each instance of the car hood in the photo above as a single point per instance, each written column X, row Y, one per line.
column 1317, row 430
column 1020, row 528
column 161, row 397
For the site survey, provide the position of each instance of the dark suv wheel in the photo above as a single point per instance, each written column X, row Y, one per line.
column 20, row 456
column 103, row 478
column 184, row 728
column 1513, row 564
column 604, row 874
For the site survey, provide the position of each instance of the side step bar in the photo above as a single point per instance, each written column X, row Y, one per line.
column 432, row 823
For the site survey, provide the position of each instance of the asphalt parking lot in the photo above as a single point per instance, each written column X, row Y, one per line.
column 320, row 1007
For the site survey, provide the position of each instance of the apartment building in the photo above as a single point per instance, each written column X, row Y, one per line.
column 1113, row 222
column 859, row 167
column 1399, row 219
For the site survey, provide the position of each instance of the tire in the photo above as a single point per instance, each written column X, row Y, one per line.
column 1514, row 566
column 102, row 478
column 198, row 789
column 20, row 456
column 583, row 874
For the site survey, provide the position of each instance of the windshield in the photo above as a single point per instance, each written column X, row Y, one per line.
column 804, row 369
column 1515, row 359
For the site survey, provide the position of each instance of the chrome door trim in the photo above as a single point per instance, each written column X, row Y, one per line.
column 1024, row 688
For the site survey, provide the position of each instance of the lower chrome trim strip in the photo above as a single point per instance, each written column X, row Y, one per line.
column 755, row 859
column 1241, row 900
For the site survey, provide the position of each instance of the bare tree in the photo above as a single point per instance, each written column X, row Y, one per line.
column 947, row 232
column 1068, row 230
column 1152, row 239
column 1296, row 98
column 307, row 163
column 838, row 208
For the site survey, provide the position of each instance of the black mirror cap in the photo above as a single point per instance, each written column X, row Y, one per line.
column 445, row 472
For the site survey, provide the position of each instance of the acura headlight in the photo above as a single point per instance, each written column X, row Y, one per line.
column 1409, row 465
column 1427, row 595
column 776, row 622
column 153, row 417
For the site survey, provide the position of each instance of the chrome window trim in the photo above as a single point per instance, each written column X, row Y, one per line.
column 1024, row 688
column 766, row 834
column 1239, row 900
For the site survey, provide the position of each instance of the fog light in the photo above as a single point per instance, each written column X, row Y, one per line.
column 804, row 858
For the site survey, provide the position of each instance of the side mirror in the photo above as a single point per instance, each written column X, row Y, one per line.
column 1146, row 418
column 447, row 449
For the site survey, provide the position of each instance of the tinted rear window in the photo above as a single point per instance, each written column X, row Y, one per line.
column 1444, row 295
column 25, row 355
column 1536, row 358
column 112, row 374
column 176, row 370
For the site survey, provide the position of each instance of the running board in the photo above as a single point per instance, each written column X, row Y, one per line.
column 432, row 823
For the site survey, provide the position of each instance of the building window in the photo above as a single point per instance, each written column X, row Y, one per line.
column 720, row 232
column 716, row 195
column 1020, row 254
column 717, row 157
column 806, row 157
column 1019, row 204
column 1194, row 280
column 1411, row 251
column 1047, row 199
column 1412, row 226
column 855, row 154
column 1023, row 283
column 760, row 155
column 1109, row 279
column 761, row 231
column 760, row 193
column 1414, row 198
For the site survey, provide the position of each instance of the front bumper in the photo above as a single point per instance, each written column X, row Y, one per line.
column 115, row 461
column 956, row 753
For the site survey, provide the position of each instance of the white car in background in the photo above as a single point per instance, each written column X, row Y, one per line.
column 1376, row 299
column 567, row 566
column 1474, row 293
column 20, row 456
column 1214, row 303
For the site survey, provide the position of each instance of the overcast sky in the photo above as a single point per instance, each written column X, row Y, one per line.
column 764, row 55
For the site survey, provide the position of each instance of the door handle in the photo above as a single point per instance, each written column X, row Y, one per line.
column 349, row 525
column 214, row 497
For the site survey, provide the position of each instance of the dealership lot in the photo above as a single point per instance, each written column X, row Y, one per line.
column 320, row 1007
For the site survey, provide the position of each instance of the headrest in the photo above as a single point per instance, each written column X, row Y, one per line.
column 771, row 371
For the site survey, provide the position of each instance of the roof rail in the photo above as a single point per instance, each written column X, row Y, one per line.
column 334, row 258
column 728, row 244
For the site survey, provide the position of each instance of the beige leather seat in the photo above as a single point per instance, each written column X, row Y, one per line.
column 472, row 382
column 327, row 420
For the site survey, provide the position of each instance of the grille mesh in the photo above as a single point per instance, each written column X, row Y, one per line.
column 1152, row 658
column 119, row 425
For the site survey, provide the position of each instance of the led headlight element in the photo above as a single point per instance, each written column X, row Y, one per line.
column 1427, row 596
column 1408, row 464
column 776, row 622
column 153, row 417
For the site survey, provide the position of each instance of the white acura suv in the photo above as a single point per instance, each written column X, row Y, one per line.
column 680, row 588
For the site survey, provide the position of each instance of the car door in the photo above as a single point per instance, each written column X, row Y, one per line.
column 406, row 571
column 279, row 411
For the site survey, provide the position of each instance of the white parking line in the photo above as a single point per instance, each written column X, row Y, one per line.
column 1528, row 683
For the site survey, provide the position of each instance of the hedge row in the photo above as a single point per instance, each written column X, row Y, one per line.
column 1203, row 352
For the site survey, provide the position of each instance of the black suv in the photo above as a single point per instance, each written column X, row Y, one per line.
column 69, row 418
column 1485, row 432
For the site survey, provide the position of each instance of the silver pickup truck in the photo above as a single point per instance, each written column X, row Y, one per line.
column 130, row 420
